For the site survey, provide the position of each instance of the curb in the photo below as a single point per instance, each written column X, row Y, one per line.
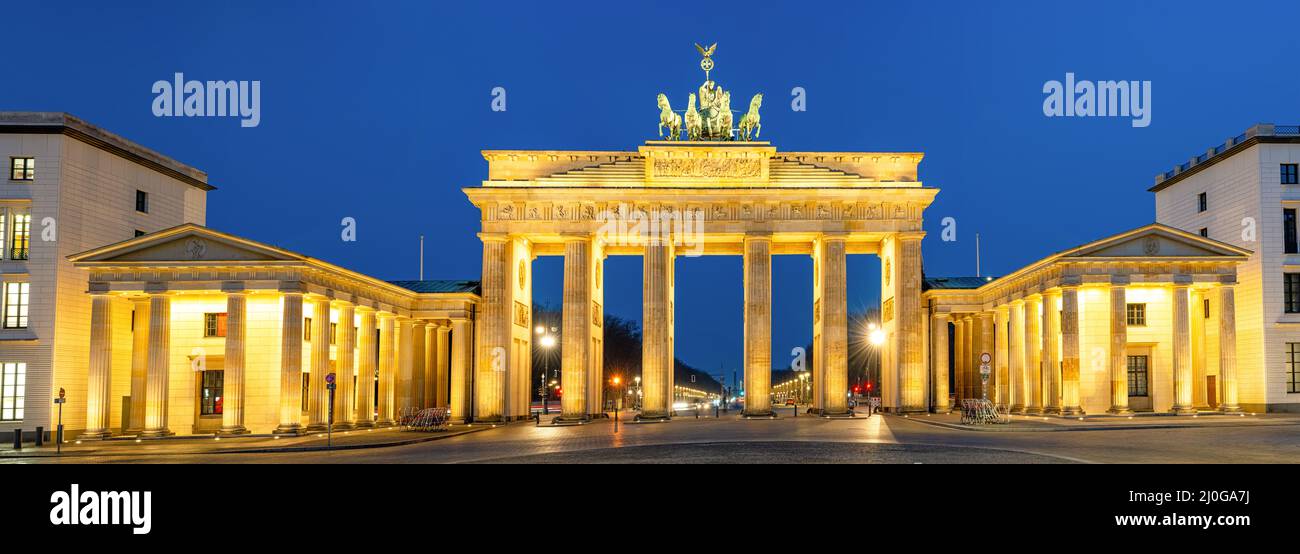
column 1057, row 429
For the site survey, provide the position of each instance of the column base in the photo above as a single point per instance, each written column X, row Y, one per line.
column 1231, row 409
column 344, row 426
column 316, row 427
column 95, row 435
column 236, row 430
column 759, row 415
column 288, row 429
column 907, row 410
column 652, row 418
column 1017, row 409
column 1183, row 410
column 365, row 424
column 566, row 421
column 941, row 409
column 1119, row 410
column 1052, row 410
column 156, row 433
column 384, row 423
column 1072, row 411
column 834, row 415
column 1034, row 410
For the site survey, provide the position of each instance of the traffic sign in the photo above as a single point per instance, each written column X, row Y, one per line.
column 62, row 393
column 985, row 358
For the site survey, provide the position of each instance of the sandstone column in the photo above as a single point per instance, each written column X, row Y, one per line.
column 1034, row 354
column 1228, row 346
column 318, row 396
column 1016, row 368
column 1119, row 349
column 910, row 338
column 235, row 373
column 970, row 377
column 405, row 349
column 1001, row 356
column 832, row 387
column 367, row 354
column 99, row 399
column 1051, row 359
column 1182, row 348
column 442, row 389
column 387, row 368
column 417, row 355
column 1070, row 351
column 139, row 363
column 459, row 395
column 575, row 363
column 431, row 364
column 345, row 368
column 291, row 365
column 757, row 267
column 493, row 328
column 160, row 319
column 939, row 360
column 656, row 348
column 959, row 357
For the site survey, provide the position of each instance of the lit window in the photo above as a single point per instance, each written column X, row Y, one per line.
column 13, row 384
column 142, row 201
column 334, row 333
column 211, row 392
column 20, row 233
column 22, row 169
column 1291, row 292
column 1137, row 314
column 1289, row 174
column 214, row 325
column 306, row 328
column 15, row 309
column 1137, row 376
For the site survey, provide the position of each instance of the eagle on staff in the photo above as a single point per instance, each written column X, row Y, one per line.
column 713, row 119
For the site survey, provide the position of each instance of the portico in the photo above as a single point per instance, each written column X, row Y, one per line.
column 1140, row 321
column 671, row 199
column 237, row 336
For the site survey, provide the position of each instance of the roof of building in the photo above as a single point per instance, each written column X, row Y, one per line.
column 1263, row 132
column 72, row 126
column 953, row 282
column 439, row 285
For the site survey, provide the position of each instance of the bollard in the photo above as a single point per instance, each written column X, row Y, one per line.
column 18, row 439
column 40, row 436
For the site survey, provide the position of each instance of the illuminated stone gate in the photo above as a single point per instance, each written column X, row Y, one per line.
column 670, row 199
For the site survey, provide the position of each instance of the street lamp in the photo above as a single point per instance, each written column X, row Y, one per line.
column 619, row 406
column 547, row 342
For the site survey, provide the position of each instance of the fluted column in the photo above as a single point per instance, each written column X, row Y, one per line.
column 442, row 388
column 405, row 364
column 1001, row 356
column 1119, row 350
column 160, row 319
column 1051, row 359
column 291, row 364
column 418, row 356
column 1228, row 346
column 99, row 378
column 832, row 387
column 757, row 267
column 959, row 357
column 459, row 396
column 430, row 395
column 367, row 354
column 575, row 363
column 1182, row 350
column 387, row 368
column 1034, row 354
column 235, row 373
column 1070, row 403
column 656, row 350
column 139, row 363
column 909, row 336
column 345, row 368
column 1016, row 365
column 493, row 328
column 319, row 398
column 970, row 383
column 939, row 361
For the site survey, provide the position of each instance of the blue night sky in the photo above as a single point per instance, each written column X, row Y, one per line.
column 367, row 102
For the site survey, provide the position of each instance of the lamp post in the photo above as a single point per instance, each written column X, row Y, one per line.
column 546, row 341
column 618, row 407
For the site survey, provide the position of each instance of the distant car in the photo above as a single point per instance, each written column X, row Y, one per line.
column 789, row 402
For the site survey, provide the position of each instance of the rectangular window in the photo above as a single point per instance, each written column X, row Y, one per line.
column 1137, row 314
column 1206, row 303
column 211, row 392
column 1202, row 203
column 20, row 233
column 13, row 386
column 1291, row 292
column 334, row 333
column 22, row 169
column 1205, row 232
column 1289, row 230
column 306, row 328
column 15, row 309
column 1292, row 368
column 1289, row 174
column 214, row 325
column 142, row 201
column 1137, row 376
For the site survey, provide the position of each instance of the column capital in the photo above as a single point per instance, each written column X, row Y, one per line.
column 335, row 302
column 384, row 315
column 494, row 237
column 757, row 235
column 573, row 236
column 363, row 309
column 942, row 316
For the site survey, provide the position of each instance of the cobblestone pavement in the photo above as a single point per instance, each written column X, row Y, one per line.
column 878, row 439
